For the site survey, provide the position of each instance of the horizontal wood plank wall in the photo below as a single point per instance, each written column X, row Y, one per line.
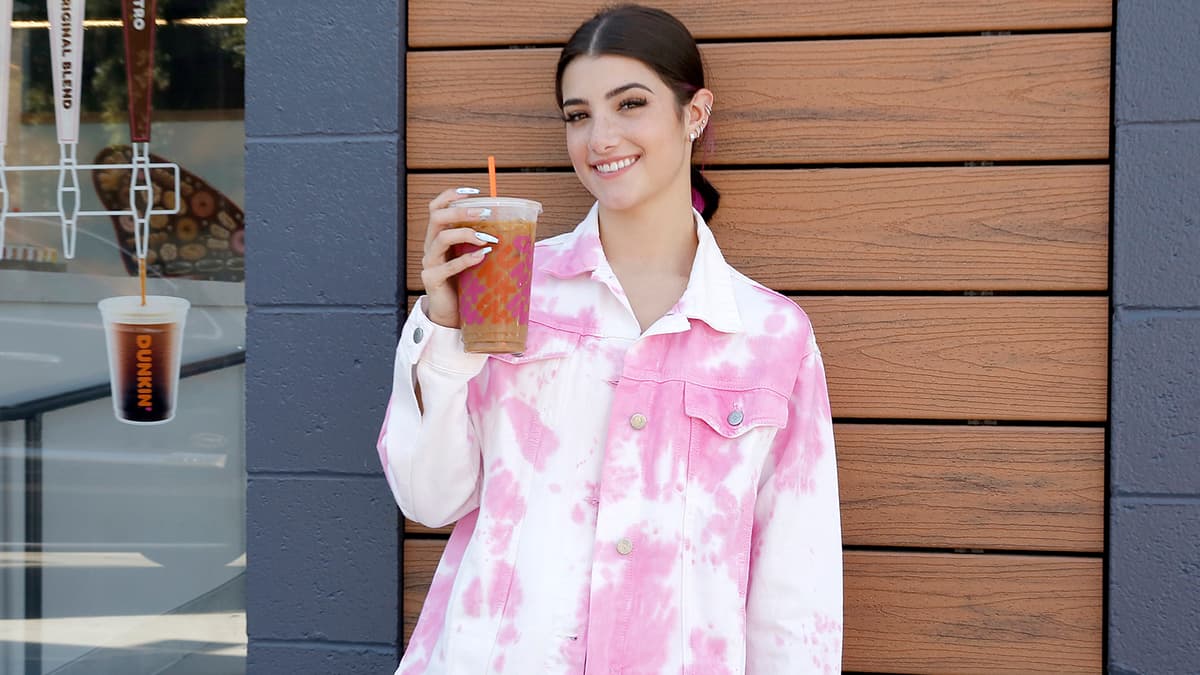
column 1003, row 228
column 961, row 306
column 454, row 23
column 1019, row 97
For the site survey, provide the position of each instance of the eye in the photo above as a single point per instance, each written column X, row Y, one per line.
column 630, row 103
column 574, row 116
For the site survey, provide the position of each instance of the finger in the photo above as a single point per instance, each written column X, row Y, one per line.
column 452, row 217
column 443, row 200
column 434, row 277
column 438, row 250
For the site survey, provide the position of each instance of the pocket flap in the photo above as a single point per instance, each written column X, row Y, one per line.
column 732, row 413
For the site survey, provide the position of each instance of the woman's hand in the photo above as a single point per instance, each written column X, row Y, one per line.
column 437, row 268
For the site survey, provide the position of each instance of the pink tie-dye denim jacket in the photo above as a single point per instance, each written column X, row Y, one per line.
column 627, row 502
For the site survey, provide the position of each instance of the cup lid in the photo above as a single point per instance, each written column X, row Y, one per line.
column 129, row 308
column 510, row 202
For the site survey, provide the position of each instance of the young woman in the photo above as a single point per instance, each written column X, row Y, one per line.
column 650, row 487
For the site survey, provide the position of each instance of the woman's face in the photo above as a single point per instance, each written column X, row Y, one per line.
column 626, row 132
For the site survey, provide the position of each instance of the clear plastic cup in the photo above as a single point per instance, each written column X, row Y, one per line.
column 145, row 346
column 493, row 296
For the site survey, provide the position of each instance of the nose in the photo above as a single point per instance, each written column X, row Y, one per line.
column 603, row 136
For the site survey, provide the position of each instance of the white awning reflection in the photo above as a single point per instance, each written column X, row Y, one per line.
column 220, row 632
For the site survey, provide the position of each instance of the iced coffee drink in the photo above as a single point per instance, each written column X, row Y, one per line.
column 493, row 296
column 145, row 344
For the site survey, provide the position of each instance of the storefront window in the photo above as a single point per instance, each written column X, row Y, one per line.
column 123, row 545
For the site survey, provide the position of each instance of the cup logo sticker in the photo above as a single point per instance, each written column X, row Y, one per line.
column 145, row 372
column 497, row 289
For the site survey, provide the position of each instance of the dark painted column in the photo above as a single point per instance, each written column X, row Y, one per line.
column 1154, row 536
column 324, row 151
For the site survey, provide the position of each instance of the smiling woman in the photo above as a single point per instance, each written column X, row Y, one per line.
column 650, row 486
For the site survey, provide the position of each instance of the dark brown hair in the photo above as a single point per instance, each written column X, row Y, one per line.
column 658, row 40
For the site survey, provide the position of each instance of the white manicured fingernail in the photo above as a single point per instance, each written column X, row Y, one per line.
column 483, row 251
column 484, row 236
column 467, row 191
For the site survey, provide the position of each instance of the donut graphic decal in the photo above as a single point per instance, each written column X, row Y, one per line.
column 205, row 240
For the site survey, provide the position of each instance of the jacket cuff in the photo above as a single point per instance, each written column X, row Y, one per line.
column 424, row 341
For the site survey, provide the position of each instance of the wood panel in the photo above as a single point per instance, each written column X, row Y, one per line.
column 446, row 23
column 969, row 487
column 900, row 229
column 1020, row 97
column 931, row 613
column 986, row 614
column 965, row 488
column 985, row 358
column 963, row 358
column 973, row 487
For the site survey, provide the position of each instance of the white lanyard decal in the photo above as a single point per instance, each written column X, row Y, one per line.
column 66, row 58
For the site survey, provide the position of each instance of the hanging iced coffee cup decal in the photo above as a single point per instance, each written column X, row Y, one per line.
column 145, row 346
column 144, row 333
column 6, row 10
column 66, row 59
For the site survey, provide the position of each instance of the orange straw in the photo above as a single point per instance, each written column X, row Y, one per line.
column 142, row 278
column 492, row 174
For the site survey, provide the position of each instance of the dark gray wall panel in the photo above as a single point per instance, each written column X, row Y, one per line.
column 324, row 175
column 317, row 389
column 324, row 219
column 276, row 659
column 322, row 67
column 1158, row 64
column 320, row 567
column 1156, row 391
column 1155, row 581
column 1154, row 506
column 1156, row 246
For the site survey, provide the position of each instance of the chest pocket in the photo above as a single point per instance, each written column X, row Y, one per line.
column 734, row 413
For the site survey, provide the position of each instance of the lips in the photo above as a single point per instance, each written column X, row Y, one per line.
column 615, row 166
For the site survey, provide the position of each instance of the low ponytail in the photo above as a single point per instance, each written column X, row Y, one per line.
column 705, row 197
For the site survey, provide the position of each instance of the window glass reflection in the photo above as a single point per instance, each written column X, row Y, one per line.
column 122, row 548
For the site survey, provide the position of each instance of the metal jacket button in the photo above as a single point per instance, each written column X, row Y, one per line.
column 735, row 418
column 638, row 421
column 418, row 333
column 624, row 547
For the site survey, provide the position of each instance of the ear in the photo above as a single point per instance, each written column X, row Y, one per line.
column 698, row 109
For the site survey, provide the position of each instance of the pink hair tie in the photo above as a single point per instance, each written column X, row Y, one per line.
column 697, row 200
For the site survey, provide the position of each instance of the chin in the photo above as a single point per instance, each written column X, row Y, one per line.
column 618, row 202
column 616, row 197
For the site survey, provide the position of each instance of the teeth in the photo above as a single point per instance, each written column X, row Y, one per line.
column 615, row 166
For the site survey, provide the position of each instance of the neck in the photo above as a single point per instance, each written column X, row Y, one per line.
column 658, row 236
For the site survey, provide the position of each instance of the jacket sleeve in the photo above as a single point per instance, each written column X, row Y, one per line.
column 794, row 598
column 430, row 451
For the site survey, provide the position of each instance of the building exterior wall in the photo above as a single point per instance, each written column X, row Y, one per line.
column 1154, row 457
column 322, row 163
column 325, row 146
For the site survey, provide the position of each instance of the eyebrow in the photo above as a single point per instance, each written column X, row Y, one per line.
column 615, row 92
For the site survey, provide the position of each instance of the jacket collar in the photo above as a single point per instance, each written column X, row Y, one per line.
column 709, row 296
